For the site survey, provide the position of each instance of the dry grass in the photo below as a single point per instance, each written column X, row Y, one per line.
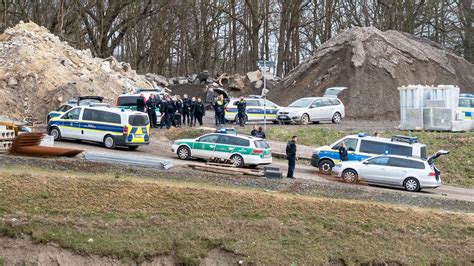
column 140, row 219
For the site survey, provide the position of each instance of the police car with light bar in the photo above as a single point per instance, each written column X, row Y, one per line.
column 242, row 150
column 362, row 146
column 100, row 123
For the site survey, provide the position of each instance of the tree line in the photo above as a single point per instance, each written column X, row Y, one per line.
column 179, row 37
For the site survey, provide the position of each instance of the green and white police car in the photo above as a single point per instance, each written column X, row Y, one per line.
column 242, row 150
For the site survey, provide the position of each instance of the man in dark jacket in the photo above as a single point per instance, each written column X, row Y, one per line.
column 241, row 107
column 150, row 107
column 141, row 103
column 291, row 155
column 192, row 116
column 169, row 110
column 186, row 109
column 199, row 110
column 260, row 133
column 179, row 110
column 254, row 131
column 343, row 152
column 162, row 107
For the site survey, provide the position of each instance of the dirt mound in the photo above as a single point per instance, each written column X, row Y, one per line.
column 38, row 72
column 373, row 64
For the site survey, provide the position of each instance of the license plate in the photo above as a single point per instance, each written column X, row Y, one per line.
column 138, row 136
column 283, row 117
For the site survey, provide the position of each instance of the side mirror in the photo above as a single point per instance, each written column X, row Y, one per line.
column 365, row 162
column 312, row 106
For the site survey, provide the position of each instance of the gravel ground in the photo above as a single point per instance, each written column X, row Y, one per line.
column 298, row 186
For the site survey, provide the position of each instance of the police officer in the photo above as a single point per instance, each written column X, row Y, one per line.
column 150, row 107
column 141, row 103
column 169, row 110
column 241, row 107
column 219, row 107
column 179, row 110
column 192, row 116
column 199, row 110
column 186, row 109
column 291, row 155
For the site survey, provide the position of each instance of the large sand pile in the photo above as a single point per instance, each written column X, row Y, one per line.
column 38, row 72
column 373, row 64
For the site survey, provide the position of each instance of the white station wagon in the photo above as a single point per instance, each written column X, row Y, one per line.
column 242, row 150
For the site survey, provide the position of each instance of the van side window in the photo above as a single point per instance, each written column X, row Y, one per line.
column 73, row 114
column 398, row 149
column 101, row 116
column 373, row 147
column 405, row 163
column 351, row 144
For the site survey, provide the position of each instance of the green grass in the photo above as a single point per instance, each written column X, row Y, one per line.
column 457, row 168
column 139, row 219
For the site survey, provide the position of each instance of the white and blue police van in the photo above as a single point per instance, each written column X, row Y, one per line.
column 99, row 123
column 362, row 146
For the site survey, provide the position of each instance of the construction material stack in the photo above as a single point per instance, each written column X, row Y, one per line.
column 6, row 138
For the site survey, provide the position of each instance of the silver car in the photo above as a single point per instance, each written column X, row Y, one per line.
column 312, row 109
column 392, row 170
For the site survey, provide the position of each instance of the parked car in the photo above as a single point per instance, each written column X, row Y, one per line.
column 392, row 170
column 110, row 126
column 466, row 105
column 255, row 110
column 242, row 150
column 81, row 100
column 363, row 146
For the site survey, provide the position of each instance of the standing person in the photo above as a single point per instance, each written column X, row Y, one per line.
column 162, row 107
column 254, row 131
column 150, row 107
column 343, row 152
column 169, row 110
column 186, row 109
column 141, row 103
column 216, row 115
column 199, row 111
column 192, row 109
column 179, row 110
column 260, row 133
column 291, row 155
column 241, row 107
column 219, row 108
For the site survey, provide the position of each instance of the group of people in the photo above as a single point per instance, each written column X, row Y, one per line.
column 174, row 110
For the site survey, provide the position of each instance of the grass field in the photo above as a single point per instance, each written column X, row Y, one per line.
column 139, row 219
column 457, row 168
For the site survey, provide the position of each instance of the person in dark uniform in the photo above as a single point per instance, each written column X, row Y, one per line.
column 216, row 115
column 219, row 107
column 179, row 110
column 343, row 152
column 169, row 110
column 291, row 155
column 163, row 111
column 254, row 131
column 241, row 108
column 260, row 133
column 141, row 103
column 186, row 109
column 192, row 108
column 150, row 107
column 199, row 110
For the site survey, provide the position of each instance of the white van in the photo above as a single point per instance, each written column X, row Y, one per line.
column 360, row 147
column 110, row 126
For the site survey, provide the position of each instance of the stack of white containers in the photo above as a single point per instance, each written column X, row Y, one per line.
column 430, row 108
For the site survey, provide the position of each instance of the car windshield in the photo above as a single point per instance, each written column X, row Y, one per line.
column 301, row 103
column 138, row 120
column 261, row 144
column 127, row 101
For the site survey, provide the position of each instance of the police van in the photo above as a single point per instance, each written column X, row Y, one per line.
column 242, row 150
column 98, row 123
column 254, row 111
column 129, row 101
column 466, row 105
column 361, row 146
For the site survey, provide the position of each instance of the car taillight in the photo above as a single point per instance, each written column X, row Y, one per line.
column 255, row 151
column 432, row 174
column 125, row 130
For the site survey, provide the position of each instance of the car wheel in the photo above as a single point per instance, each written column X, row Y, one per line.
column 237, row 160
column 184, row 153
column 276, row 122
column 55, row 133
column 304, row 119
column 350, row 176
column 411, row 184
column 109, row 142
column 325, row 166
column 336, row 118
column 133, row 148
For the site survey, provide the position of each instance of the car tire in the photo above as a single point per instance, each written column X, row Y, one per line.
column 350, row 176
column 133, row 148
column 56, row 133
column 304, row 119
column 237, row 160
column 276, row 122
column 109, row 142
column 325, row 166
column 411, row 184
column 336, row 118
column 184, row 153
